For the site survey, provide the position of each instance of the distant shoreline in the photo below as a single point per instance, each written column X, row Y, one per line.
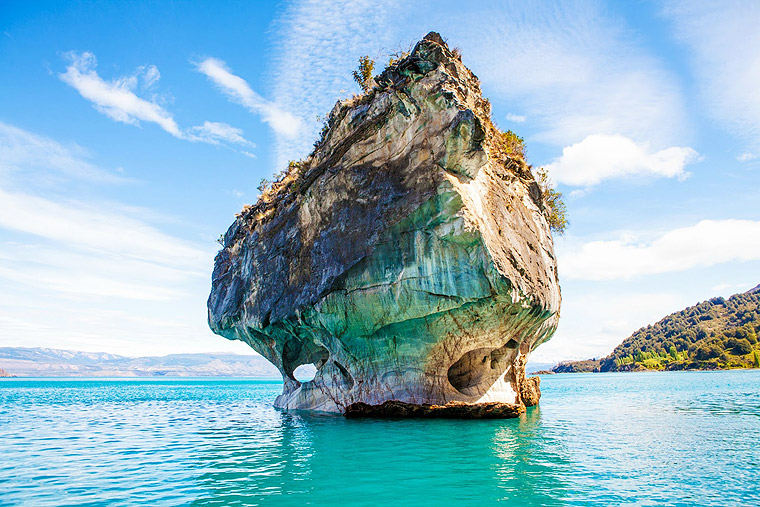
column 50, row 363
column 127, row 377
column 545, row 372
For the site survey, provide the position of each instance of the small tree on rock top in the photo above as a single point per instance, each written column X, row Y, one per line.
column 557, row 211
column 363, row 75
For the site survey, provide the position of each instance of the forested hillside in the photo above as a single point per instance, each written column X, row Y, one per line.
column 715, row 334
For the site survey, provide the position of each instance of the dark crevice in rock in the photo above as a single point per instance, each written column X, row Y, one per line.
column 347, row 378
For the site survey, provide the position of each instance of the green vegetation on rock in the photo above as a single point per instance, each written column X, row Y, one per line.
column 715, row 334
column 506, row 145
column 555, row 206
column 513, row 144
column 363, row 74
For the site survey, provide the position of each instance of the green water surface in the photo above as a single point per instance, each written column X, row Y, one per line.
column 677, row 438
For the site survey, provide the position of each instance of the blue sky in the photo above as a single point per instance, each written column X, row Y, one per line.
column 130, row 135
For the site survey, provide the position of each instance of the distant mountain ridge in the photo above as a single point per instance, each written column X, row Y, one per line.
column 46, row 362
column 714, row 334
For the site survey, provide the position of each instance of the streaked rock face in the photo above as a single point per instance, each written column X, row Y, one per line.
column 408, row 257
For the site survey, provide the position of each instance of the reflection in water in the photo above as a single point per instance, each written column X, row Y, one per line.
column 530, row 464
column 302, row 458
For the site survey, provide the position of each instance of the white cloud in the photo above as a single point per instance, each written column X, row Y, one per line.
column 574, row 68
column 81, row 276
column 318, row 44
column 235, row 87
column 725, row 44
column 213, row 132
column 729, row 289
column 88, row 274
column 107, row 247
column 595, row 320
column 578, row 193
column 600, row 157
column 22, row 151
column 116, row 99
column 706, row 243
column 747, row 157
column 94, row 229
column 517, row 118
column 150, row 75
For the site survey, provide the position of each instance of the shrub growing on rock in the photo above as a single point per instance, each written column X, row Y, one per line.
column 513, row 144
column 557, row 211
column 363, row 75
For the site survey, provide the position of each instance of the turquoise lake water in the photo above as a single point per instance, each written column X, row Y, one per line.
column 681, row 438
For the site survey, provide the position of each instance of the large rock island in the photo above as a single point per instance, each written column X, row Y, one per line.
column 408, row 257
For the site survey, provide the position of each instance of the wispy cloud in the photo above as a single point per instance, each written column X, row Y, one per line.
column 93, row 229
column 105, row 274
column 150, row 75
column 516, row 118
column 706, row 243
column 729, row 289
column 237, row 89
column 747, row 156
column 118, row 100
column 67, row 273
column 601, row 157
column 214, row 132
column 724, row 41
column 574, row 68
column 319, row 42
column 22, row 152
column 77, row 246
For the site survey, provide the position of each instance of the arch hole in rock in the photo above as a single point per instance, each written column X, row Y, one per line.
column 302, row 359
column 305, row 372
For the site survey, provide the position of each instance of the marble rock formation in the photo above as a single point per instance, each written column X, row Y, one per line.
column 408, row 257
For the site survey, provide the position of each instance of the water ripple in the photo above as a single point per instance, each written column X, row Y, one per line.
column 682, row 438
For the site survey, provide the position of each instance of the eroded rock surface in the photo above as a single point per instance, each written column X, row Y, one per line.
column 409, row 257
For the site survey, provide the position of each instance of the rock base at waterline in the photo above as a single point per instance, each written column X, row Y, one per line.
column 393, row 409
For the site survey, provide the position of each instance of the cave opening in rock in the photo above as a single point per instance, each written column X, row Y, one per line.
column 305, row 372
column 477, row 370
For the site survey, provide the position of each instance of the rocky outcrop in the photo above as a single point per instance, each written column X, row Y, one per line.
column 408, row 257
column 454, row 410
column 530, row 391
